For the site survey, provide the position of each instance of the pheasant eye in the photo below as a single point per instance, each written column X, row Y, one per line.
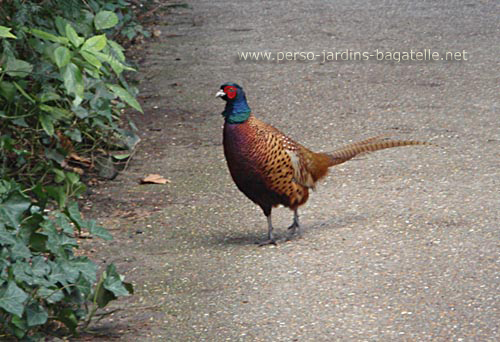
column 230, row 92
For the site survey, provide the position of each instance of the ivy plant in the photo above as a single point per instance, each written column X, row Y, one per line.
column 62, row 96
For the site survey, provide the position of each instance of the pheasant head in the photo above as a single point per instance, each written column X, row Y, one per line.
column 237, row 109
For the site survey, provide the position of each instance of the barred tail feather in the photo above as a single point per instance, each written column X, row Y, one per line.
column 377, row 138
column 348, row 152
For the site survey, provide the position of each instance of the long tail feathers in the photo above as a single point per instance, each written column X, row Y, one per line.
column 380, row 137
column 350, row 151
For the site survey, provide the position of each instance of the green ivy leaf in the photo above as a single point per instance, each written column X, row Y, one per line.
column 103, row 296
column 59, row 175
column 79, row 189
column 93, row 60
column 32, row 222
column 20, row 251
column 36, row 315
column 57, row 274
column 48, row 36
column 60, row 24
column 115, row 64
column 63, row 222
column 53, row 154
column 6, row 237
column 110, row 286
column 12, row 299
column 40, row 266
column 57, row 193
column 47, row 122
column 22, row 272
column 74, row 214
column 96, row 43
column 72, row 178
column 112, row 61
column 73, row 80
column 58, row 242
column 13, row 208
column 114, row 282
column 62, row 56
column 116, row 50
column 85, row 287
column 25, row 94
column 73, row 37
column 87, row 268
column 20, row 326
column 7, row 90
column 18, row 68
column 70, row 272
column 68, row 318
column 125, row 96
column 5, row 32
column 57, row 112
column 98, row 230
column 38, row 242
column 74, row 134
column 105, row 19
column 49, row 96
column 53, row 244
column 51, row 294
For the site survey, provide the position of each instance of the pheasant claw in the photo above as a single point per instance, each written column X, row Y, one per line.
column 267, row 242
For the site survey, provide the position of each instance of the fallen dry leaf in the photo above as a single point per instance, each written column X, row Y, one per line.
column 65, row 166
column 84, row 235
column 154, row 179
column 80, row 159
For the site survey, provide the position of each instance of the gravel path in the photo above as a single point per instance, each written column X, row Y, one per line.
column 402, row 244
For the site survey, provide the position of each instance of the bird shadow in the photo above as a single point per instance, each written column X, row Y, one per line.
column 238, row 238
column 337, row 222
column 253, row 238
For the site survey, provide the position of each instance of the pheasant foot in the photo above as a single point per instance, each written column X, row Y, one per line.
column 267, row 242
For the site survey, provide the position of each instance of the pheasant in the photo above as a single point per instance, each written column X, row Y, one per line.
column 272, row 169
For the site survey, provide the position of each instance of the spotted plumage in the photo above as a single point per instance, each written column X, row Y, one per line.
column 272, row 169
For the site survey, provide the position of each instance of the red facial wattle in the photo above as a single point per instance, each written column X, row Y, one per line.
column 231, row 92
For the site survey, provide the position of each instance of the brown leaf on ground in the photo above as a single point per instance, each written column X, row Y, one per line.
column 83, row 235
column 80, row 159
column 154, row 179
column 68, row 167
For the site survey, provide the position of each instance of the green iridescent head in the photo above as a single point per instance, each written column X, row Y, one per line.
column 237, row 109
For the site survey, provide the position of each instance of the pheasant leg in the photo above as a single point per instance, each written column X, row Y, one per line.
column 295, row 227
column 270, row 238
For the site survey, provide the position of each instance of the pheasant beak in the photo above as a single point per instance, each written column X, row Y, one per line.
column 220, row 93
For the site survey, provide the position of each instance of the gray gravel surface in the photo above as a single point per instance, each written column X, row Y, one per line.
column 402, row 244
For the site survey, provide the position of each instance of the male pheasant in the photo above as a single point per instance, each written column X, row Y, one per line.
column 272, row 169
